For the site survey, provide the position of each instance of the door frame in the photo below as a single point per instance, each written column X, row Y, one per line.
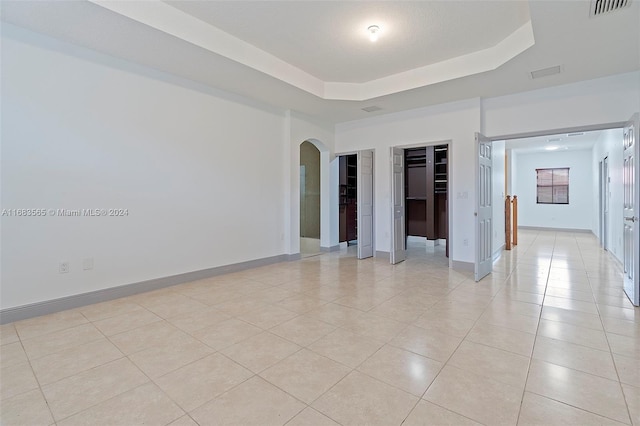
column 337, row 156
column 605, row 202
column 291, row 234
column 585, row 128
column 450, row 161
column 631, row 283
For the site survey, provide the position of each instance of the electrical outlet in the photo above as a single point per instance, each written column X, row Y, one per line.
column 63, row 267
column 465, row 242
column 87, row 264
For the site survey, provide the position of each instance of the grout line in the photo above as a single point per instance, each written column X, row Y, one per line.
column 615, row 365
column 533, row 348
column 420, row 268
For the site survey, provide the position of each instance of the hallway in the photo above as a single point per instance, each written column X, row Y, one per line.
column 548, row 338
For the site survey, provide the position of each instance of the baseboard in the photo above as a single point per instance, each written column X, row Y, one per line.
column 330, row 249
column 71, row 302
column 498, row 253
column 542, row 228
column 463, row 266
column 416, row 239
column 382, row 254
column 427, row 242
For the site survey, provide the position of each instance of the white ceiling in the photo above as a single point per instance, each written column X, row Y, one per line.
column 329, row 40
column 307, row 55
column 563, row 142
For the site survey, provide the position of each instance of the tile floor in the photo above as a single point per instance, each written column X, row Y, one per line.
column 548, row 338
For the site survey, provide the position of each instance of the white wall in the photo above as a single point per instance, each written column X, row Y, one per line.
column 600, row 101
column 498, row 149
column 605, row 100
column 456, row 123
column 578, row 214
column 609, row 145
column 201, row 175
column 194, row 165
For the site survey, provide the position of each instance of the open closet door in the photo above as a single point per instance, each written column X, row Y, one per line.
column 484, row 213
column 397, row 199
column 631, row 210
column 365, row 204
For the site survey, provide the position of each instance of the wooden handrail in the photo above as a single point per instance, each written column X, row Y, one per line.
column 507, row 222
column 515, row 220
column 511, row 221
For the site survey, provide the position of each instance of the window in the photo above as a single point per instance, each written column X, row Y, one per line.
column 553, row 186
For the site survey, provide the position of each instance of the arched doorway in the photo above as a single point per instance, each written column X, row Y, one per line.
column 310, row 199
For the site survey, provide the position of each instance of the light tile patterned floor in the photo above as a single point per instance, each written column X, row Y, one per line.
column 548, row 338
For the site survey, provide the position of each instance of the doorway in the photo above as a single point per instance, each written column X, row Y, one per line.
column 348, row 203
column 426, row 222
column 420, row 195
column 355, row 202
column 310, row 207
column 613, row 215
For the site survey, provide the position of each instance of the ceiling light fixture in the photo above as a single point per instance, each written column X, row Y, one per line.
column 373, row 32
column 552, row 148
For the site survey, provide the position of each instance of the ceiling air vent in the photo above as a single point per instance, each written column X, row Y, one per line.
column 546, row 72
column 600, row 7
column 372, row 108
column 576, row 134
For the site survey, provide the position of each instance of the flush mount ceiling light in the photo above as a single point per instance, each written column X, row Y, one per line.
column 374, row 31
column 552, row 148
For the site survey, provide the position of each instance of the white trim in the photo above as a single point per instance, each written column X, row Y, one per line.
column 170, row 20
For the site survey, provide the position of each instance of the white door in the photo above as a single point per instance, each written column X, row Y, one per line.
column 631, row 175
column 397, row 200
column 365, row 204
column 484, row 213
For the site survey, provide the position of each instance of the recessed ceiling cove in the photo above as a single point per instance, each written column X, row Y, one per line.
column 323, row 47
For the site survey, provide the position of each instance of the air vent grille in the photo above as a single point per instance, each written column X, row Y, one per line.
column 600, row 7
column 372, row 108
column 546, row 72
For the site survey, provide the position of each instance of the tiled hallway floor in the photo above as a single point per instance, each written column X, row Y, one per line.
column 548, row 338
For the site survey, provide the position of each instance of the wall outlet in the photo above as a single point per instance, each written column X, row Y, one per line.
column 87, row 264
column 63, row 267
column 465, row 242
